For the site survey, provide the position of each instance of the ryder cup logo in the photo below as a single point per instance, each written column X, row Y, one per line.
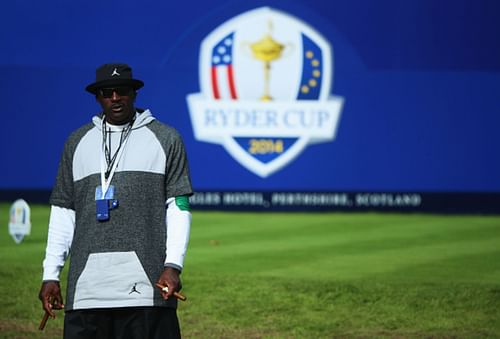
column 265, row 81
column 19, row 222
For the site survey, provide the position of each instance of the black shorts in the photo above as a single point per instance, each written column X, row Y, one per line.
column 129, row 322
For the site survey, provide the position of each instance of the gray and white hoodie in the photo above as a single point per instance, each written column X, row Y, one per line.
column 116, row 263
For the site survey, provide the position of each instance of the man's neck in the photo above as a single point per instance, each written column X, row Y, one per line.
column 120, row 125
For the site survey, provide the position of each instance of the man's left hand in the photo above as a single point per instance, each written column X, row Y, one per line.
column 171, row 279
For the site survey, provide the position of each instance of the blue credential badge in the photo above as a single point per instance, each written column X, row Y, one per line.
column 104, row 204
column 110, row 193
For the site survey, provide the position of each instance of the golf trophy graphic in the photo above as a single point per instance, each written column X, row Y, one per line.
column 267, row 50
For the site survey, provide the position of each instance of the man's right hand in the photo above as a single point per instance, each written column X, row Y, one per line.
column 51, row 298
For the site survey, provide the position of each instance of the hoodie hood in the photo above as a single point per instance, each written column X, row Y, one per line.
column 141, row 119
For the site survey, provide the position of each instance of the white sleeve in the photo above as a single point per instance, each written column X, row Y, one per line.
column 178, row 227
column 59, row 239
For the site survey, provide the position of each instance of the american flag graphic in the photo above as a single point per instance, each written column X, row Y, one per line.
column 222, row 75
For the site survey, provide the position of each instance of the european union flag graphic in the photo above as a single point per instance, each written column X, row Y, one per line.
column 312, row 70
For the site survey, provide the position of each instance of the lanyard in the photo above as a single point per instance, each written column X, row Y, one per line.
column 105, row 182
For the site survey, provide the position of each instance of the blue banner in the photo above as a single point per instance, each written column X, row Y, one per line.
column 269, row 96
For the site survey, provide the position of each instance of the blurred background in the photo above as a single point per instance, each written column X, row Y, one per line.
column 419, row 80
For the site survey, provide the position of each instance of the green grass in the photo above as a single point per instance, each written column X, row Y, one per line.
column 317, row 275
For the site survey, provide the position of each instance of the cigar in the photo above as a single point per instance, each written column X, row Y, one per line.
column 44, row 321
column 176, row 294
column 45, row 317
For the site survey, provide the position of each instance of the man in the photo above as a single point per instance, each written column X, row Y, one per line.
column 120, row 204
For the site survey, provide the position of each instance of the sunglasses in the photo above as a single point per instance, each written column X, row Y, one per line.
column 121, row 91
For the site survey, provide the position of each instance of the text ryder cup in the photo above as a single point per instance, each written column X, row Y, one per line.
column 262, row 118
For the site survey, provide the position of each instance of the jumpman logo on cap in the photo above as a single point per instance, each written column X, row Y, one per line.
column 115, row 72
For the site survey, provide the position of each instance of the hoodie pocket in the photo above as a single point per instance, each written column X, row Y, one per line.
column 113, row 279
